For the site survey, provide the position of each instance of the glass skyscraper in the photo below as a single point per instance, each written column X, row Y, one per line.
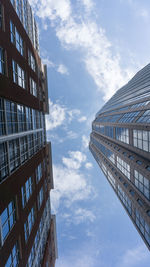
column 120, row 143
column 27, row 227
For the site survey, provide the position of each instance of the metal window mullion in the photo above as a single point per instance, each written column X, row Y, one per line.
column 8, row 157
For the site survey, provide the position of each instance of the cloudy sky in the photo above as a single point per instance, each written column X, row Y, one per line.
column 91, row 48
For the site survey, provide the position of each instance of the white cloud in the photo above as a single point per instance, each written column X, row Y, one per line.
column 62, row 69
column 76, row 158
column 82, row 215
column 71, row 135
column 85, row 141
column 84, row 34
column 57, row 115
column 70, row 186
column 88, row 165
column 61, row 115
column 82, row 119
column 134, row 257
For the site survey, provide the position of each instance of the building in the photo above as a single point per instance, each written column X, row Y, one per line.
column 120, row 143
column 27, row 228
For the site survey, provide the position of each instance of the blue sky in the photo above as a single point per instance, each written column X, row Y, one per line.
column 91, row 48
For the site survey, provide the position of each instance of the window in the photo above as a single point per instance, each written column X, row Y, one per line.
column 18, row 75
column 111, row 179
column 123, row 167
column 23, row 148
column 125, row 199
column 3, row 161
column 19, row 9
column 29, row 223
column 141, row 139
column 13, row 260
column 33, row 87
column 26, row 191
column 31, row 61
column 2, row 61
column 31, row 144
column 145, row 117
column 8, row 219
column 11, row 116
column 14, row 154
column 38, row 172
column 2, row 118
column 129, row 117
column 109, row 131
column 40, row 198
column 143, row 226
column 16, row 39
column 122, row 134
column 142, row 183
column 21, row 118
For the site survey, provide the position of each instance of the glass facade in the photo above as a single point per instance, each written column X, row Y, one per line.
column 19, row 118
column 121, row 133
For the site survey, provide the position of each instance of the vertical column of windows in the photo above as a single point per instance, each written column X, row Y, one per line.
column 38, row 173
column 13, row 260
column 123, row 167
column 29, row 223
column 24, row 148
column 26, row 191
column 2, row 61
column 25, row 18
column 28, row 118
column 11, row 116
column 141, row 139
column 109, row 131
column 7, row 220
column 142, row 183
column 19, row 9
column 14, row 154
column 2, row 118
column 40, row 198
column 31, row 144
column 122, row 134
column 21, row 118
column 143, row 226
column 125, row 199
column 31, row 61
column 111, row 179
column 4, row 170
